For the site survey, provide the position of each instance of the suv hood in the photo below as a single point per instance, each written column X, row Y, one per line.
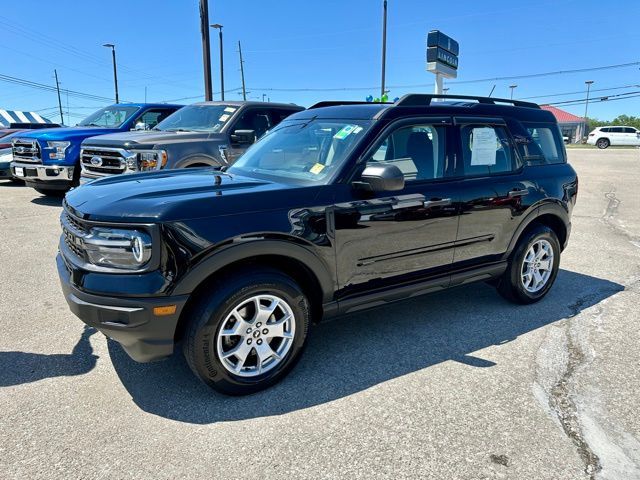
column 148, row 138
column 173, row 195
column 65, row 133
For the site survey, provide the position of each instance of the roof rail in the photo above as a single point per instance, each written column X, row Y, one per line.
column 333, row 103
column 424, row 100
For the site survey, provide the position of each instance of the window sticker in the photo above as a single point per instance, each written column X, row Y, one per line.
column 344, row 132
column 484, row 146
column 317, row 168
column 224, row 118
column 230, row 109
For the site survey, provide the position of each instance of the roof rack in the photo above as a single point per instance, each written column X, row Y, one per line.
column 424, row 100
column 333, row 103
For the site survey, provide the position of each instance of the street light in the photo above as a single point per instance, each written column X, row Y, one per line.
column 115, row 71
column 586, row 106
column 512, row 87
column 219, row 27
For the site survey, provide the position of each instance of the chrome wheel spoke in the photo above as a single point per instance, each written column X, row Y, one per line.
column 277, row 329
column 238, row 328
column 263, row 313
column 545, row 265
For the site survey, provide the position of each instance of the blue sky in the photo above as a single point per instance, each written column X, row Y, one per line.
column 290, row 46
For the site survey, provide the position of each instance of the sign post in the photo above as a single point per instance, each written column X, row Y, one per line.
column 442, row 57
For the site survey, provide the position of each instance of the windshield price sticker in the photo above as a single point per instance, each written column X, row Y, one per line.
column 224, row 118
column 230, row 109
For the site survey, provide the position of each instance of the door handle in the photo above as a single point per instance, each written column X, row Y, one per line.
column 437, row 203
column 518, row 193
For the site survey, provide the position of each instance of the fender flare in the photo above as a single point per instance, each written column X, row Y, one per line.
column 235, row 252
column 547, row 208
column 198, row 159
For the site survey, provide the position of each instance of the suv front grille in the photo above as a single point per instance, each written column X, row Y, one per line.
column 103, row 161
column 74, row 230
column 25, row 150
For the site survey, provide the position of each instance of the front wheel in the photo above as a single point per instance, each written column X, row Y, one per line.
column 602, row 143
column 533, row 266
column 249, row 333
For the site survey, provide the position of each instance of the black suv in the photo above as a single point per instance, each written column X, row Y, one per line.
column 341, row 207
column 199, row 135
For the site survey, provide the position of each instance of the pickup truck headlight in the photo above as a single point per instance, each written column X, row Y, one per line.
column 118, row 248
column 58, row 149
column 151, row 160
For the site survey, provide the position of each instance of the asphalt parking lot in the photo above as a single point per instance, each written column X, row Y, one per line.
column 456, row 385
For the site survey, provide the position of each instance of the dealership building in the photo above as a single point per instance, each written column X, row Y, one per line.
column 572, row 126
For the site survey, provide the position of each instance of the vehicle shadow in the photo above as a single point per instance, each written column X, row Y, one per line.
column 11, row 183
column 17, row 368
column 48, row 201
column 350, row 354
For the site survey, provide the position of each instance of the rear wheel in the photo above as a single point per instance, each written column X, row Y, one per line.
column 533, row 266
column 249, row 333
column 602, row 143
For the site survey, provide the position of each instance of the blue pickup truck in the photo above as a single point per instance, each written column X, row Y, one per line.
column 49, row 160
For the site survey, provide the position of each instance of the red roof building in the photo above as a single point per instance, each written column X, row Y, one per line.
column 574, row 128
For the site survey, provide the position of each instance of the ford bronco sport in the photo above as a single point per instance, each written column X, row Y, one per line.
column 341, row 207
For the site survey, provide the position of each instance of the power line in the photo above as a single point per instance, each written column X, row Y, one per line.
column 481, row 80
column 578, row 92
column 49, row 88
column 608, row 98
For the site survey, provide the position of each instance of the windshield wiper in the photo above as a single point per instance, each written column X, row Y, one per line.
column 179, row 130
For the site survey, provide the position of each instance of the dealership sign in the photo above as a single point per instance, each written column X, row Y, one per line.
column 442, row 54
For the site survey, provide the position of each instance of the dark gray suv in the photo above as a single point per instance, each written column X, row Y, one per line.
column 198, row 135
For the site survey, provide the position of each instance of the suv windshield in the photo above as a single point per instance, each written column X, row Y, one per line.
column 109, row 117
column 307, row 151
column 198, row 118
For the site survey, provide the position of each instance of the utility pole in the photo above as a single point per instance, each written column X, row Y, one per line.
column 219, row 27
column 384, row 46
column 206, row 49
column 244, row 90
column 115, row 71
column 512, row 87
column 263, row 95
column 55, row 72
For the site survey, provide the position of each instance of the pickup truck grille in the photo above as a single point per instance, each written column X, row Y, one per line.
column 103, row 161
column 25, row 150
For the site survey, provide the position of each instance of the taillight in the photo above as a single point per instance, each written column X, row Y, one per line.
column 592, row 134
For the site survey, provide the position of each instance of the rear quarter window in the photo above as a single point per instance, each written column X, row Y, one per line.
column 545, row 144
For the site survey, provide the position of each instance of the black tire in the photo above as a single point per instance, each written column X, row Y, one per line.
column 200, row 345
column 50, row 193
column 602, row 143
column 510, row 285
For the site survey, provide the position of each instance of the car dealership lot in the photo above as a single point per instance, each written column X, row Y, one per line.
column 460, row 384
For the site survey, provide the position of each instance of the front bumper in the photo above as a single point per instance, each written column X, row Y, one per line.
column 129, row 321
column 51, row 175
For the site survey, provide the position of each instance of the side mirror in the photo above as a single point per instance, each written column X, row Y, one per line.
column 243, row 137
column 380, row 178
column 140, row 126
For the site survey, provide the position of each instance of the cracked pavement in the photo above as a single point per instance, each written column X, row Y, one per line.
column 456, row 385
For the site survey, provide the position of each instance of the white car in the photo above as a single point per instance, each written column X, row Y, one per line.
column 602, row 137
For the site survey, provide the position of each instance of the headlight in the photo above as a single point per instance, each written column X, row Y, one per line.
column 118, row 248
column 58, row 148
column 151, row 160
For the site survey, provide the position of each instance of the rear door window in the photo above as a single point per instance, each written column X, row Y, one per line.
column 486, row 150
column 545, row 145
column 616, row 130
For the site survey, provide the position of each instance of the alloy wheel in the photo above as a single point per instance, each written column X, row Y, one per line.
column 537, row 266
column 256, row 336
